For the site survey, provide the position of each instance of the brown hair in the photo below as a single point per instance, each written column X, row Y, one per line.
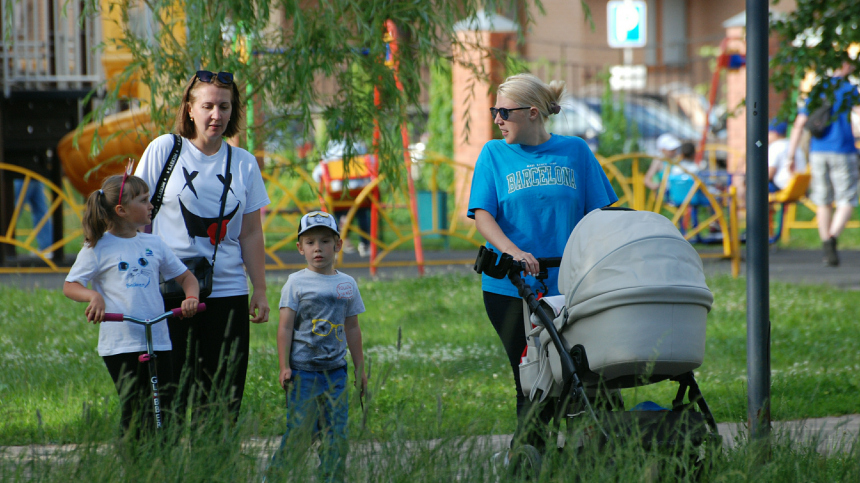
column 184, row 126
column 100, row 214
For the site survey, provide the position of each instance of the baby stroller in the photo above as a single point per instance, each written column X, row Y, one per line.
column 632, row 312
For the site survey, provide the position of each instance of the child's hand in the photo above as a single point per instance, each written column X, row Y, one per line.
column 189, row 307
column 286, row 377
column 363, row 380
column 96, row 309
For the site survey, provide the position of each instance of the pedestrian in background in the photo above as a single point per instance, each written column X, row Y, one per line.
column 833, row 163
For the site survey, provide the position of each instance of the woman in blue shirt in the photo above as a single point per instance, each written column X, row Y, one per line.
column 528, row 192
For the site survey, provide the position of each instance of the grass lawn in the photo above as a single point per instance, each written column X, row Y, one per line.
column 437, row 367
column 437, row 371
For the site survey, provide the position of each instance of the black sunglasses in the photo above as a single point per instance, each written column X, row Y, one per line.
column 504, row 111
column 223, row 77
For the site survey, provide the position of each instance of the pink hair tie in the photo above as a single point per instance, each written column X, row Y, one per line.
column 554, row 108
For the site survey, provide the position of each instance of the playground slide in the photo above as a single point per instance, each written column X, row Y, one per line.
column 122, row 136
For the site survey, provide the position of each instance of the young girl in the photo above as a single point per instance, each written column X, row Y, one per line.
column 123, row 266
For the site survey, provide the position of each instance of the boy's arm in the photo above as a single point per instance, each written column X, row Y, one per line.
column 96, row 309
column 285, row 341
column 353, row 342
column 191, row 287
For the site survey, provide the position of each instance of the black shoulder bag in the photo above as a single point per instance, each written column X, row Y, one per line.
column 200, row 266
column 818, row 123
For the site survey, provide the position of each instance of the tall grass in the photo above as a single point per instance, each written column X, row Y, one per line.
column 219, row 454
column 438, row 377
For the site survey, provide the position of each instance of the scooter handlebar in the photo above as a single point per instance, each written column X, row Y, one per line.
column 177, row 312
column 114, row 317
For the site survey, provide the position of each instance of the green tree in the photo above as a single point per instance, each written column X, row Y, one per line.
column 815, row 37
column 440, row 123
column 618, row 136
column 294, row 51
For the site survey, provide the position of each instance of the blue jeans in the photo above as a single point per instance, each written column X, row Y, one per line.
column 317, row 403
column 35, row 197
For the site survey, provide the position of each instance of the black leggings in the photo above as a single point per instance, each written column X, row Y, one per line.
column 132, row 382
column 506, row 315
column 210, row 351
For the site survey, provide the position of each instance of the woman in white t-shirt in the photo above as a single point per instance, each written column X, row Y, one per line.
column 213, row 346
column 123, row 267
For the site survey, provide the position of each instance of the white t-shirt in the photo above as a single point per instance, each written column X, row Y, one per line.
column 777, row 156
column 192, row 201
column 125, row 272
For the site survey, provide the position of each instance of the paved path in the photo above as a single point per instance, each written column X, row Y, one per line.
column 832, row 434
column 795, row 266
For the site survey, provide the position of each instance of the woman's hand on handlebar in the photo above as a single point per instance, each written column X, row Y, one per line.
column 531, row 266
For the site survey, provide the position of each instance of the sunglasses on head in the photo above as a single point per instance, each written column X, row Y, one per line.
column 128, row 170
column 223, row 77
column 504, row 111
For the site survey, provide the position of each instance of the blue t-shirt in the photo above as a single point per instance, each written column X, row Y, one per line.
column 537, row 194
column 839, row 138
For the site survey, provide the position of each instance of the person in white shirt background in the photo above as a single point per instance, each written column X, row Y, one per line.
column 778, row 168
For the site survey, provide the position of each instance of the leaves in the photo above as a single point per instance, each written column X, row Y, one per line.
column 815, row 37
column 299, row 61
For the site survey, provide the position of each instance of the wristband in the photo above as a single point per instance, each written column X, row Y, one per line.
column 192, row 297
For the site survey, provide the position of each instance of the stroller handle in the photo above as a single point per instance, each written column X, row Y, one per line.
column 511, row 269
column 486, row 263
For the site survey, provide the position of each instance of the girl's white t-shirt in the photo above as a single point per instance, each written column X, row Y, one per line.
column 187, row 220
column 125, row 272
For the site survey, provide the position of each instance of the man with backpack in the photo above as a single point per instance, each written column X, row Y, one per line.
column 833, row 160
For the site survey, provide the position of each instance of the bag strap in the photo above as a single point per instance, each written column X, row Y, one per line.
column 228, row 179
column 158, row 196
column 527, row 325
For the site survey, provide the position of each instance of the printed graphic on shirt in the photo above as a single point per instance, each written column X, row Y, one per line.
column 546, row 175
column 135, row 273
column 324, row 328
column 205, row 227
column 344, row 290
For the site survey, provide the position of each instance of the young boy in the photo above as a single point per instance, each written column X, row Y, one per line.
column 319, row 319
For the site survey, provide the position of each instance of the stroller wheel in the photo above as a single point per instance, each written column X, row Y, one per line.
column 525, row 464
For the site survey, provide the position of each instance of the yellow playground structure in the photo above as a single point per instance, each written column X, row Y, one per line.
column 403, row 219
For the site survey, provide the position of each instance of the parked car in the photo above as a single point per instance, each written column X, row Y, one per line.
column 581, row 117
column 577, row 119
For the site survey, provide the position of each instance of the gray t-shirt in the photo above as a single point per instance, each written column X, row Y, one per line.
column 322, row 303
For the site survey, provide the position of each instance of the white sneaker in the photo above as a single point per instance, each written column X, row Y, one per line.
column 363, row 249
column 48, row 255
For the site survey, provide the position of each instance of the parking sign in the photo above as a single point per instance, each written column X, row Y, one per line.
column 627, row 20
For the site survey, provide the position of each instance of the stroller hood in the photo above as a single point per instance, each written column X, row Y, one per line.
column 618, row 257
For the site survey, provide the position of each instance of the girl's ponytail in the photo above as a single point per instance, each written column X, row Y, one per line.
column 99, row 213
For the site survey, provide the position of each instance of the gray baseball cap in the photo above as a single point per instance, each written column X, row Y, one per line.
column 318, row 218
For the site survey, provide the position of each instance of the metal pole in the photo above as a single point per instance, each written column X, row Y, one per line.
column 758, row 310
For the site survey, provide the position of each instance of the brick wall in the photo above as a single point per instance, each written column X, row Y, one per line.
column 473, row 96
column 736, row 125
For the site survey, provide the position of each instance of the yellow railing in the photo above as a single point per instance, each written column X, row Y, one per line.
column 395, row 219
column 293, row 191
column 627, row 174
column 14, row 232
column 790, row 222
